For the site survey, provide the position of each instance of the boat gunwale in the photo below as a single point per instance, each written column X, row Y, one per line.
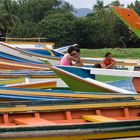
column 82, row 126
column 62, row 107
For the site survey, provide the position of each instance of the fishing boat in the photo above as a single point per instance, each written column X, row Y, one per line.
column 32, row 43
column 99, row 80
column 54, row 57
column 121, row 63
column 25, row 73
column 35, row 43
column 45, row 52
column 70, row 120
column 11, row 81
column 50, row 52
column 30, row 78
column 4, row 97
column 36, row 85
column 7, row 49
column 62, row 92
column 13, row 65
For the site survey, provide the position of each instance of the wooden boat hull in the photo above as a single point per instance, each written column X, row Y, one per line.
column 61, row 93
column 18, row 53
column 30, row 45
column 13, row 65
column 36, row 85
column 136, row 80
column 90, row 62
column 64, row 134
column 11, row 81
column 75, row 76
column 16, row 74
column 66, row 121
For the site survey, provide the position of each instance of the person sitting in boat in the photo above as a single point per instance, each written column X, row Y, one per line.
column 78, row 51
column 108, row 62
column 72, row 58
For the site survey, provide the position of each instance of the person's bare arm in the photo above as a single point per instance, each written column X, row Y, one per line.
column 71, row 58
column 109, row 66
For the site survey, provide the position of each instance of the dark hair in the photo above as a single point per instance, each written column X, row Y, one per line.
column 71, row 49
column 97, row 66
column 77, row 50
column 107, row 54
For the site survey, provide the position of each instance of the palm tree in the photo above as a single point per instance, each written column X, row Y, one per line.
column 99, row 9
column 2, row 19
column 9, row 7
column 7, row 17
column 68, row 6
column 116, row 3
column 135, row 6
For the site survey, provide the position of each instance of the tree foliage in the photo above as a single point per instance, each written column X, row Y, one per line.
column 54, row 19
column 59, row 27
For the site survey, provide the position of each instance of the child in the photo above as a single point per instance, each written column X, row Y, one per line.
column 108, row 62
column 70, row 57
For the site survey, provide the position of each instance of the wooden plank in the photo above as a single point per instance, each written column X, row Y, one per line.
column 73, row 95
column 97, row 118
column 68, row 107
column 33, row 121
column 114, row 72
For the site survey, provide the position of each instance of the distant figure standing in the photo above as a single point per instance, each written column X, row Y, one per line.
column 108, row 62
column 73, row 55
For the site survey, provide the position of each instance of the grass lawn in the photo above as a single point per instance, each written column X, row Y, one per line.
column 132, row 53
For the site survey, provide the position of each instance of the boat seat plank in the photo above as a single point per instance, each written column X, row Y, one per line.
column 97, row 118
column 32, row 121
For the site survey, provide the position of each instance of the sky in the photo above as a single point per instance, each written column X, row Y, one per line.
column 89, row 3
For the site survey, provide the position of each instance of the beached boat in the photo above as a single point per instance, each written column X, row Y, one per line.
column 50, row 52
column 7, row 49
column 62, row 92
column 70, row 120
column 35, row 43
column 42, row 48
column 122, row 64
column 13, row 65
column 30, row 78
column 54, row 56
column 99, row 80
column 4, row 97
column 11, row 81
column 10, row 64
column 119, row 62
column 32, row 43
column 35, row 85
column 26, row 73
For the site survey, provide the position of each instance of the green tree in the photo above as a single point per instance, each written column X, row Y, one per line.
column 24, row 30
column 99, row 9
column 116, row 3
column 8, row 8
column 135, row 6
column 58, row 27
column 36, row 10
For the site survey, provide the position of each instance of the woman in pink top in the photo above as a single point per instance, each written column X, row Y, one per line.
column 70, row 57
